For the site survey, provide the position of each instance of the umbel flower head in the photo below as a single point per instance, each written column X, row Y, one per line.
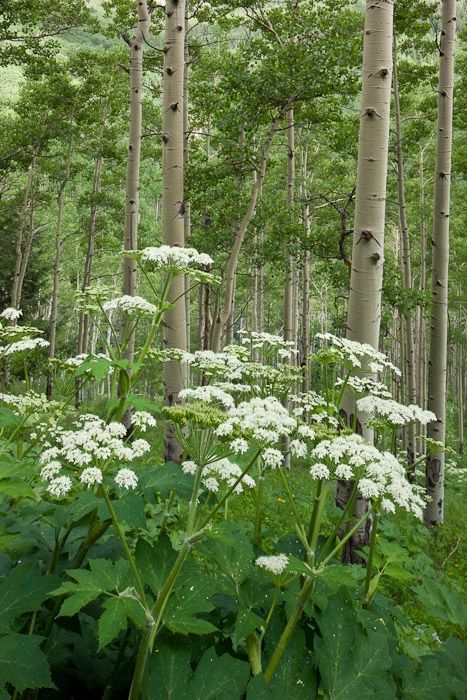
column 218, row 473
column 11, row 314
column 171, row 258
column 90, row 451
column 378, row 475
column 131, row 305
column 355, row 355
column 394, row 413
column 275, row 563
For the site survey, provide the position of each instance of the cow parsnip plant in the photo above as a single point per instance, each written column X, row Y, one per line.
column 283, row 613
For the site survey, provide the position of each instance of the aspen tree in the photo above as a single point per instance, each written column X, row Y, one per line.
column 14, row 301
column 364, row 310
column 57, row 260
column 437, row 363
column 130, row 236
column 406, row 267
column 173, row 203
column 289, row 259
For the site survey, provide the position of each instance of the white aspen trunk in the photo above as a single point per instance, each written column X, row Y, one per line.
column 57, row 263
column 186, row 155
column 289, row 259
column 19, row 241
column 223, row 314
column 364, row 310
column 130, row 235
column 410, row 431
column 460, row 378
column 421, row 359
column 173, row 204
column 437, row 364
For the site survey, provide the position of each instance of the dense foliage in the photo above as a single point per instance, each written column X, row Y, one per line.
column 230, row 571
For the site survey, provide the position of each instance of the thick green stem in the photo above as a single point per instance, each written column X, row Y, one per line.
column 348, row 508
column 193, row 502
column 258, row 511
column 289, row 629
column 314, row 513
column 348, row 535
column 140, row 666
column 253, row 648
column 138, row 583
column 369, row 569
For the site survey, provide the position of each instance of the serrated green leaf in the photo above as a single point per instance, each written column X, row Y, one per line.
column 230, row 548
column 16, row 489
column 23, row 590
column 155, row 561
column 8, row 419
column 103, row 577
column 169, row 671
column 428, row 680
column 442, row 602
column 168, row 478
column 219, row 677
column 246, row 623
column 352, row 664
column 23, row 664
column 188, row 601
column 114, row 619
column 128, row 509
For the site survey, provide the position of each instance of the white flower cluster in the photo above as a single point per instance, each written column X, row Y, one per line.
column 143, row 420
column 11, row 314
column 223, row 470
column 208, row 394
column 312, row 406
column 366, row 385
column 219, row 364
column 74, row 362
column 30, row 402
column 353, row 353
column 174, row 257
column 259, row 341
column 379, row 475
column 27, row 344
column 275, row 563
column 131, row 305
column 393, row 412
column 264, row 420
column 92, row 445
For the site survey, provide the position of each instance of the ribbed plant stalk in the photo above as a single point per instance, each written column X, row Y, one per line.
column 437, row 363
column 407, row 272
column 371, row 555
column 173, row 202
column 364, row 309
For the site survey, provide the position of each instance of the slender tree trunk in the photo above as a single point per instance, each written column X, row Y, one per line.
column 460, row 378
column 57, row 263
column 83, row 327
column 305, row 330
column 421, row 360
column 289, row 258
column 437, row 364
column 173, row 204
column 186, row 156
column 231, row 266
column 410, row 432
column 364, row 310
column 27, row 248
column 130, row 235
column 19, row 241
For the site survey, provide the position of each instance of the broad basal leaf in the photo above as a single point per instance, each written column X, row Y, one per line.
column 23, row 664
column 166, row 479
column 23, row 590
column 190, row 599
column 352, row 663
column 155, row 561
column 219, row 677
column 169, row 671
